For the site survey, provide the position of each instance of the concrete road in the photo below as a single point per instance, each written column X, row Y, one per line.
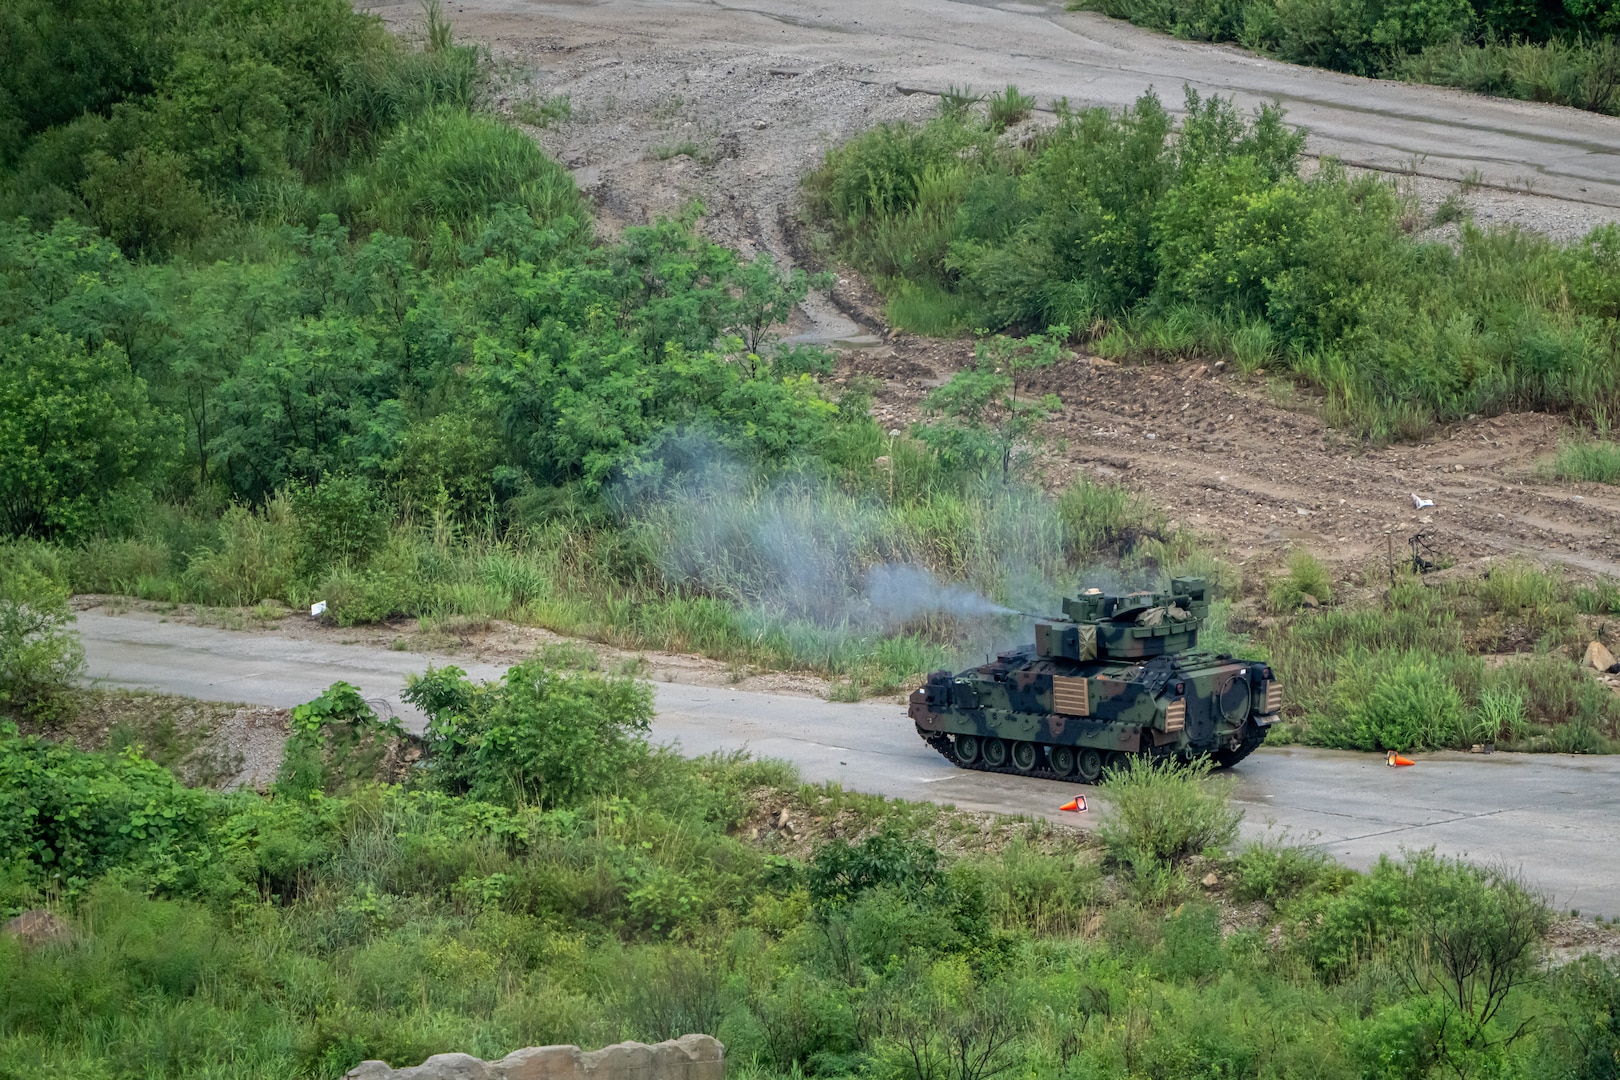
column 1091, row 60
column 1556, row 818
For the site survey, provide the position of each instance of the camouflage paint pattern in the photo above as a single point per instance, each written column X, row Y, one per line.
column 1074, row 689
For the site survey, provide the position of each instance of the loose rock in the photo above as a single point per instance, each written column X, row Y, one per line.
column 1598, row 657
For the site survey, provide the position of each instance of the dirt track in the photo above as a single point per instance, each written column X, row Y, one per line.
column 730, row 101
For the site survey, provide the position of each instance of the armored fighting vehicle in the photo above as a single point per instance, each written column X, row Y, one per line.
column 1116, row 677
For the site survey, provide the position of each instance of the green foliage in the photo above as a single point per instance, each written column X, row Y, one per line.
column 340, row 521
column 1592, row 462
column 1394, row 701
column 449, row 169
column 840, row 871
column 535, row 737
column 984, row 421
column 1276, row 872
column 1163, row 813
column 1579, row 71
column 1009, row 108
column 1175, row 239
column 1558, row 50
column 40, row 655
column 1306, row 577
column 68, row 817
column 76, row 434
column 423, row 923
column 337, row 742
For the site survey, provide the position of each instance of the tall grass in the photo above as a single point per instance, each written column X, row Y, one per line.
column 1592, row 462
column 1411, row 672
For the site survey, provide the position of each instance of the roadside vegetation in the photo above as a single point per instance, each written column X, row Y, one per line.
column 512, row 892
column 1147, row 236
column 1558, row 51
column 1446, row 662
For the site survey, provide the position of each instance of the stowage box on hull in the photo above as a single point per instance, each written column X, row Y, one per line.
column 1118, row 676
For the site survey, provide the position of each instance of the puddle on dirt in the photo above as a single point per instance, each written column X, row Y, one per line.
column 830, row 327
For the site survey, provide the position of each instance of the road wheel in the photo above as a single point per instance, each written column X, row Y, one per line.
column 967, row 749
column 1061, row 758
column 1024, row 756
column 1116, row 761
column 995, row 753
column 1089, row 763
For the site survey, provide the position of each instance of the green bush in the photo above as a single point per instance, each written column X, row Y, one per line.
column 840, row 871
column 337, row 742
column 76, row 431
column 256, row 558
column 67, row 817
column 340, row 521
column 1159, row 814
column 1274, row 871
column 144, row 202
column 1539, row 52
column 535, row 737
column 1172, row 239
column 1394, row 701
column 448, row 168
column 40, row 655
column 1305, row 584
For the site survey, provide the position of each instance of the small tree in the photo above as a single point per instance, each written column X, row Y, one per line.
column 985, row 418
column 1472, row 940
column 40, row 655
column 535, row 737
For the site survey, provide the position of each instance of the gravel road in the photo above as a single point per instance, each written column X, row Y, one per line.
column 1556, row 818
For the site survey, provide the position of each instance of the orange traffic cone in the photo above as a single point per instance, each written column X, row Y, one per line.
column 1077, row 804
column 1395, row 761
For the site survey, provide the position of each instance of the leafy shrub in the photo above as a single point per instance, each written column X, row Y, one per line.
column 1191, row 947
column 339, row 521
column 534, row 737
column 1465, row 931
column 1393, row 701
column 1152, row 236
column 840, row 871
column 144, row 201
column 40, row 655
column 1274, row 871
column 67, row 817
column 1159, row 814
column 76, row 428
column 337, row 741
column 1306, row 583
column 449, row 167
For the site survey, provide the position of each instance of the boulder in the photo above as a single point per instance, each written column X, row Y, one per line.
column 1599, row 658
column 691, row 1057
